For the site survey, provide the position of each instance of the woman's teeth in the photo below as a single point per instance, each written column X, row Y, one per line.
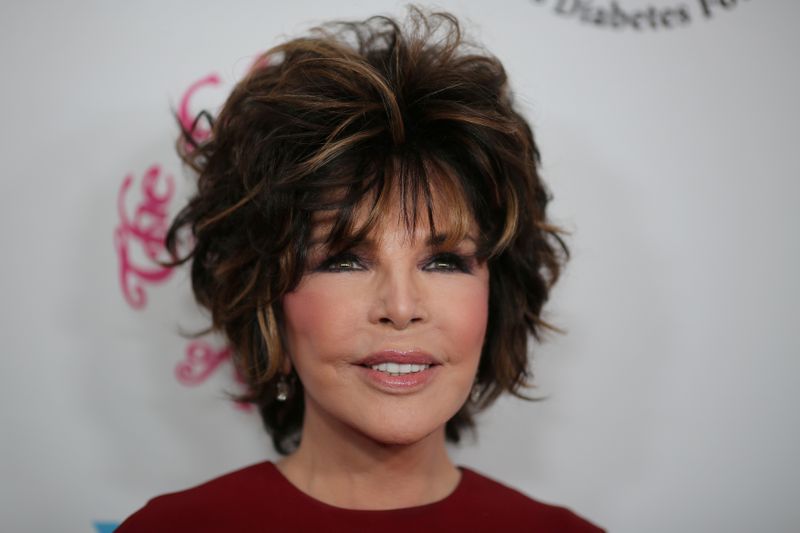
column 396, row 369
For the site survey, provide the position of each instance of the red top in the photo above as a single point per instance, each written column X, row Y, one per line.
column 260, row 498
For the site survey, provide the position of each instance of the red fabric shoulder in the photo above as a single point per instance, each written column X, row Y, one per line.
column 508, row 509
column 260, row 498
column 225, row 503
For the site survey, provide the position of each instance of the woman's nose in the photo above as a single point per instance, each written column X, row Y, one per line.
column 398, row 299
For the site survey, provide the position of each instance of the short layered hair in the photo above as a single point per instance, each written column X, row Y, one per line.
column 345, row 118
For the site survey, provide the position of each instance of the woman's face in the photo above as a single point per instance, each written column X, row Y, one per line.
column 386, row 337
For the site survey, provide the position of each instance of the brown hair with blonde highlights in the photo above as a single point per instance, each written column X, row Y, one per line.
column 342, row 119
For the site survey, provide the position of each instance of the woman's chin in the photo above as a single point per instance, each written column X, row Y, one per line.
column 388, row 420
column 403, row 433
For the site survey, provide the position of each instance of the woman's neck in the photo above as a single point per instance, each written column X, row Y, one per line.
column 344, row 468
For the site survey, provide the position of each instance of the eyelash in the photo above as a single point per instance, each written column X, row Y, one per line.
column 459, row 263
column 329, row 265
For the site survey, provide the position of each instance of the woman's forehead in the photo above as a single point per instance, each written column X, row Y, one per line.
column 426, row 203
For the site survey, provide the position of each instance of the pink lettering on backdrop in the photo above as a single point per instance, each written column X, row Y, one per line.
column 201, row 360
column 145, row 229
column 187, row 118
column 261, row 61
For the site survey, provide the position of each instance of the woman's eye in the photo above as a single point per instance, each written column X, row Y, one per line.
column 341, row 263
column 448, row 263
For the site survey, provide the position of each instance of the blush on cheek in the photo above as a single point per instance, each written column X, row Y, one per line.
column 315, row 318
column 467, row 314
column 301, row 309
column 476, row 310
column 305, row 312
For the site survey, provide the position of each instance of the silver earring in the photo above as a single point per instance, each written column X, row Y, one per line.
column 282, row 389
column 475, row 393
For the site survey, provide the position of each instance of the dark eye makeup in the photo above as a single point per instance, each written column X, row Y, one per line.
column 342, row 262
column 449, row 262
column 439, row 262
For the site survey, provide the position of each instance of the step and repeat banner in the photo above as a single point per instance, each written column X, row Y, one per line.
column 669, row 133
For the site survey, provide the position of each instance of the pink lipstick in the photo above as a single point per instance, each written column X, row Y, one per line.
column 398, row 371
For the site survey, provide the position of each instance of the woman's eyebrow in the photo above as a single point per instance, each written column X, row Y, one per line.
column 439, row 238
column 434, row 240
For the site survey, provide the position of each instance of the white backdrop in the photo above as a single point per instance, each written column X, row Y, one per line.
column 671, row 150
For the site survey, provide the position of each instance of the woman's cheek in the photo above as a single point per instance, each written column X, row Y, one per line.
column 316, row 315
column 466, row 313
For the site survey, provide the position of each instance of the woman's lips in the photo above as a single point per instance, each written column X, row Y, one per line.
column 414, row 357
column 398, row 371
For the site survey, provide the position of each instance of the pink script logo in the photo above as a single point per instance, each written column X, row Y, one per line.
column 185, row 116
column 201, row 361
column 139, row 241
column 147, row 229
